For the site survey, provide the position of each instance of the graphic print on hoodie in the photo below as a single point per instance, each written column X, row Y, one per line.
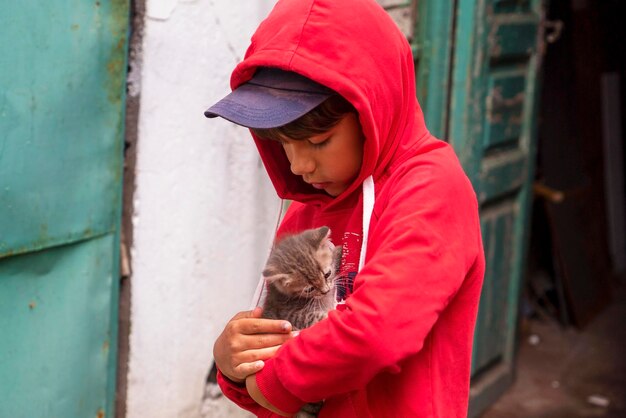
column 401, row 344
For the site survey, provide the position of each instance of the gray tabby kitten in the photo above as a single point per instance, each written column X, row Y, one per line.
column 300, row 274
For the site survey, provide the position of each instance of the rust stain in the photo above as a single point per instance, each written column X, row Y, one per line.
column 100, row 413
column 105, row 347
column 114, row 67
column 116, row 64
column 32, row 305
column 75, row 27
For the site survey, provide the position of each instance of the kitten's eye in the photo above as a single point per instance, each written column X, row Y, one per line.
column 327, row 274
column 309, row 289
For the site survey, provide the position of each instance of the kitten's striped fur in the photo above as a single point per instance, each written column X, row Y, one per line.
column 300, row 274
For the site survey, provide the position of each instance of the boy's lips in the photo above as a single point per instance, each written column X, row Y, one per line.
column 320, row 185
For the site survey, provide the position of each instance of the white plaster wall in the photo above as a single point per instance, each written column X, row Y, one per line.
column 204, row 208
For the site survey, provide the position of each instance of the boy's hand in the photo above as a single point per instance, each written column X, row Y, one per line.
column 246, row 341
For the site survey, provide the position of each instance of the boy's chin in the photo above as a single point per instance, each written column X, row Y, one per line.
column 334, row 189
column 333, row 193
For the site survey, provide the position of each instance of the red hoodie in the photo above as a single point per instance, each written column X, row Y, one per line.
column 401, row 344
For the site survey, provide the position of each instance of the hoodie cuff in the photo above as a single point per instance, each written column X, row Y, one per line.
column 228, row 385
column 274, row 391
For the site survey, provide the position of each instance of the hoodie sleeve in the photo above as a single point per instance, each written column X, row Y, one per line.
column 423, row 245
column 239, row 395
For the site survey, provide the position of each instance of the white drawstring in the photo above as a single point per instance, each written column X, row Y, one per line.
column 369, row 197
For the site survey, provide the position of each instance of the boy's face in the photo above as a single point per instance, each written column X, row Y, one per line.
column 328, row 161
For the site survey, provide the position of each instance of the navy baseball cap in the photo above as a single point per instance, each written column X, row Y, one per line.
column 271, row 98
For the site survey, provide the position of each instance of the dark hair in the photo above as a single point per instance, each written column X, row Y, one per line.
column 319, row 120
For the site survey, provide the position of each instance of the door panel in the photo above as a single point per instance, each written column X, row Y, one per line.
column 63, row 67
column 497, row 223
column 62, row 72
column 505, row 102
column 56, row 342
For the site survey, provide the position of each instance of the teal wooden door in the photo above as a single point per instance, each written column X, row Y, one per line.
column 62, row 83
column 492, row 127
column 477, row 64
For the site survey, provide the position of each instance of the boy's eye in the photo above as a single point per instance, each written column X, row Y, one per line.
column 319, row 144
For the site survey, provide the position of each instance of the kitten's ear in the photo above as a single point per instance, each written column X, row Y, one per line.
column 322, row 233
column 283, row 278
column 268, row 272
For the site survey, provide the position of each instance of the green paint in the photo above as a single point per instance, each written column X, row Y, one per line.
column 432, row 47
column 510, row 38
column 60, row 129
column 502, row 175
column 511, row 6
column 61, row 157
column 490, row 334
column 54, row 308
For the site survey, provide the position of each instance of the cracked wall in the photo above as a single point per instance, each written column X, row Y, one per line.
column 203, row 209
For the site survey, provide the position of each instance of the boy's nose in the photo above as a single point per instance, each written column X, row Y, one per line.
column 301, row 163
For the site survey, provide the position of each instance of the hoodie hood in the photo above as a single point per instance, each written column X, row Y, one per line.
column 332, row 43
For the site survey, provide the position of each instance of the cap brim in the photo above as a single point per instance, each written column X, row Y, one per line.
column 260, row 107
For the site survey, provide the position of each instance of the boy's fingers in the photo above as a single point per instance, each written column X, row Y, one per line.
column 252, row 356
column 262, row 326
column 246, row 369
column 250, row 322
column 249, row 362
column 252, row 342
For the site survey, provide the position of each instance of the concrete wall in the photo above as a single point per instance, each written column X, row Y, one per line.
column 204, row 210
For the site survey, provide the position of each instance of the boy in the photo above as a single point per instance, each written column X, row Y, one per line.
column 327, row 88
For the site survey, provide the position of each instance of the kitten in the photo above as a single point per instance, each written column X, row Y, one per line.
column 300, row 275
